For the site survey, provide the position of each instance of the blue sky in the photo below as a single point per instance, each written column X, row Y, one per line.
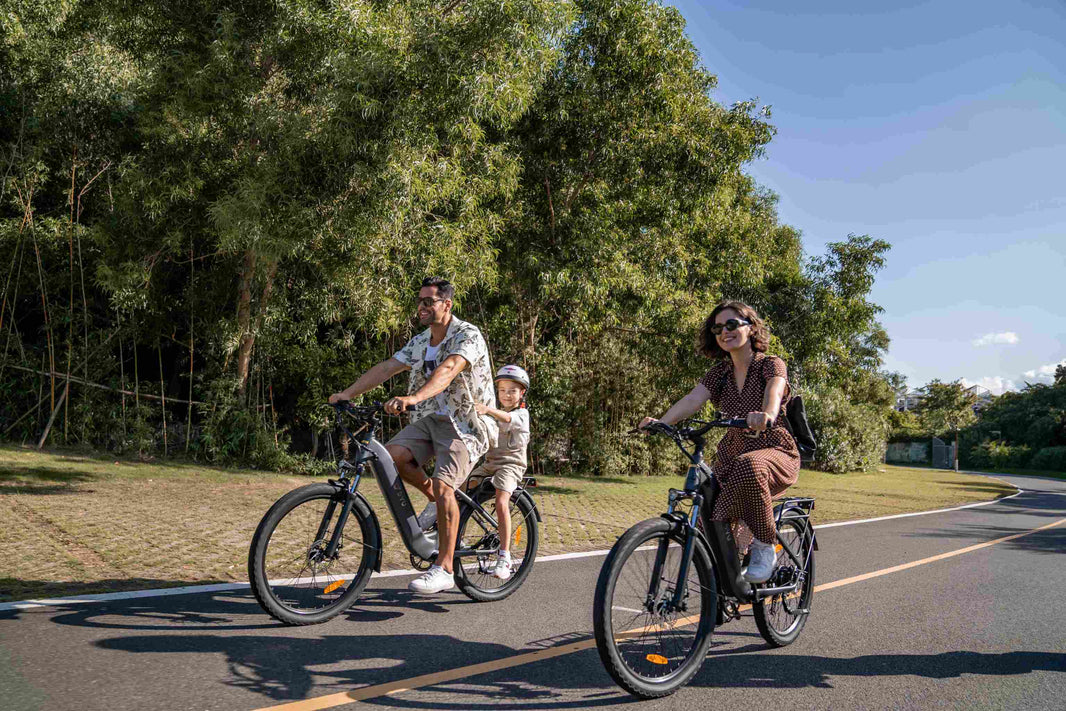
column 937, row 126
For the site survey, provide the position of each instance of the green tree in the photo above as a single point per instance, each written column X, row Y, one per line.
column 252, row 192
column 946, row 407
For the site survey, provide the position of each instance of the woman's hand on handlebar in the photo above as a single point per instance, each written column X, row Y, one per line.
column 643, row 426
column 759, row 421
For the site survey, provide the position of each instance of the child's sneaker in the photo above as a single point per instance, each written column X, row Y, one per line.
column 428, row 517
column 434, row 580
column 503, row 565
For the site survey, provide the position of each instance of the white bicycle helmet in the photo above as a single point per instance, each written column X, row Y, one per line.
column 515, row 373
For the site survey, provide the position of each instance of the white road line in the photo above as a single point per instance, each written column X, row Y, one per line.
column 228, row 587
column 920, row 513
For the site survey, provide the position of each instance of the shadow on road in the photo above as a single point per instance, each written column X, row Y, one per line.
column 579, row 680
column 784, row 671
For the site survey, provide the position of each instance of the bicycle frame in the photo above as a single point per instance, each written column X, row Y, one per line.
column 372, row 452
column 702, row 489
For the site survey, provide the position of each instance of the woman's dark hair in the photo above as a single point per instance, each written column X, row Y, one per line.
column 445, row 290
column 707, row 345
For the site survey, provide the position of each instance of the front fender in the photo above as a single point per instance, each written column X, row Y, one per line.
column 363, row 506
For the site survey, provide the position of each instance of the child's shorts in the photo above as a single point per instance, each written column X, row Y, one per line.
column 505, row 478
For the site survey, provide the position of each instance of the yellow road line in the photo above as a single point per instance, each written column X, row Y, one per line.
column 418, row 682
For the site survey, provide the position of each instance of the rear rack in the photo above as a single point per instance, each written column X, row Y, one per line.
column 793, row 508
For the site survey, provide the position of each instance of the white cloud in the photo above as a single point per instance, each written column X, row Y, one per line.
column 1008, row 337
column 1044, row 372
column 996, row 384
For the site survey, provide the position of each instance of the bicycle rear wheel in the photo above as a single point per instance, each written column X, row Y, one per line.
column 781, row 618
column 291, row 574
column 473, row 573
column 649, row 650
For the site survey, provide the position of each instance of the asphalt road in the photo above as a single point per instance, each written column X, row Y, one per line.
column 984, row 628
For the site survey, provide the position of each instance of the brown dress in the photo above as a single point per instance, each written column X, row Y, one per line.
column 751, row 470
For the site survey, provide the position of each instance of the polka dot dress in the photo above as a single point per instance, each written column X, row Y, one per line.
column 751, row 470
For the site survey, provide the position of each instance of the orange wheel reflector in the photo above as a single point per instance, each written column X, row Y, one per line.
column 657, row 659
column 778, row 548
column 332, row 586
column 517, row 534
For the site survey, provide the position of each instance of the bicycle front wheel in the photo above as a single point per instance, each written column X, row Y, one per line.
column 649, row 648
column 781, row 618
column 293, row 575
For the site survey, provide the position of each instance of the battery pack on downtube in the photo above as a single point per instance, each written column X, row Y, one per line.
column 399, row 502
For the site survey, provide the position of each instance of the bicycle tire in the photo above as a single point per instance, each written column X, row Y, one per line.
column 470, row 577
column 781, row 618
column 307, row 591
column 632, row 632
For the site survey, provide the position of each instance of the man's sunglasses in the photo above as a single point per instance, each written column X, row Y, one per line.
column 427, row 301
column 730, row 325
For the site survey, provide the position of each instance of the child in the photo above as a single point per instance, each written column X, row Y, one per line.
column 506, row 462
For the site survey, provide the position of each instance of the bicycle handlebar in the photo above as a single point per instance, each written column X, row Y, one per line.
column 690, row 432
column 365, row 410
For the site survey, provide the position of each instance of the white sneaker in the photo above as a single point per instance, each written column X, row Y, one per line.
column 434, row 580
column 761, row 565
column 503, row 565
column 428, row 517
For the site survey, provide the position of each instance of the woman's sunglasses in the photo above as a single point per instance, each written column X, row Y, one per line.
column 730, row 325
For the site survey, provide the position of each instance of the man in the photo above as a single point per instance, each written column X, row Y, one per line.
column 450, row 376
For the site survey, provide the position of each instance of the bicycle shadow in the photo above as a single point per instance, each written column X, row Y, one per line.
column 553, row 684
column 290, row 668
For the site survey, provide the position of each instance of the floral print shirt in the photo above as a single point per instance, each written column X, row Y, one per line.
column 472, row 385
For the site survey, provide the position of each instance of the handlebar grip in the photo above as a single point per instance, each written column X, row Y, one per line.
column 656, row 426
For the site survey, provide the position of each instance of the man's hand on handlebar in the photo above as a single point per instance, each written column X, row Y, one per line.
column 396, row 405
column 337, row 397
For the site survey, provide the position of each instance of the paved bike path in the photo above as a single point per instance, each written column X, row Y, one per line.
column 981, row 629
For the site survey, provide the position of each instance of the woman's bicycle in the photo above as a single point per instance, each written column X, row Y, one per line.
column 669, row 580
column 317, row 547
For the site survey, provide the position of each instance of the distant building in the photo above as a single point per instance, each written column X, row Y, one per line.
column 909, row 400
column 982, row 397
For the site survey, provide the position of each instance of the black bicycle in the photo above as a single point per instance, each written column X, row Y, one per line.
column 317, row 547
column 669, row 580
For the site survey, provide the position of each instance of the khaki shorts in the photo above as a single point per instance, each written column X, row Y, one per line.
column 505, row 478
column 434, row 436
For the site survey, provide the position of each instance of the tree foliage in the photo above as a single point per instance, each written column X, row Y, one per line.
column 1033, row 419
column 946, row 407
column 232, row 204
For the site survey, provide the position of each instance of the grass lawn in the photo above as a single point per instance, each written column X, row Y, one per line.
column 76, row 523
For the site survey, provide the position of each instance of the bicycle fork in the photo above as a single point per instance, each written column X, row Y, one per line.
column 346, row 509
column 678, row 601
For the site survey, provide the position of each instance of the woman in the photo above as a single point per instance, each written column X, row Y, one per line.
column 753, row 465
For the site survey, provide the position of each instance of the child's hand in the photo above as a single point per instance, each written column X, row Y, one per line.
column 481, row 409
